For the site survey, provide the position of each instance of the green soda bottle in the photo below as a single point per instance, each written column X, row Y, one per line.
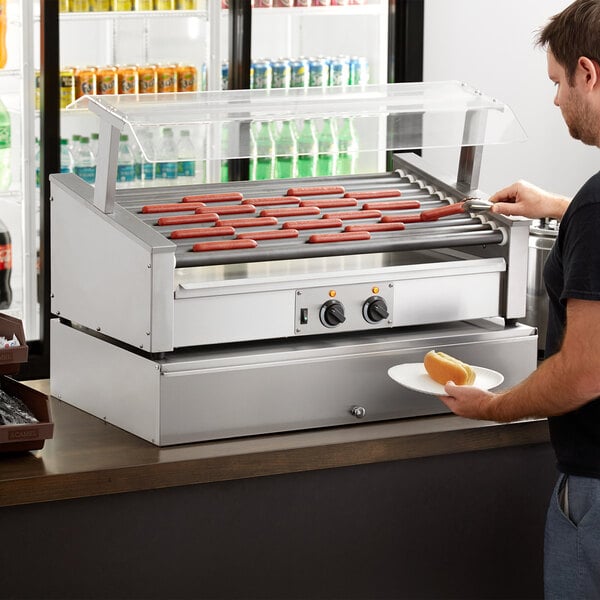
column 307, row 150
column 265, row 153
column 348, row 148
column 328, row 150
column 286, row 152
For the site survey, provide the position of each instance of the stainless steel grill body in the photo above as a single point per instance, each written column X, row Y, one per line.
column 179, row 346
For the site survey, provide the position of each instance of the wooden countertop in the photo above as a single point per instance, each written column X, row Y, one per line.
column 88, row 457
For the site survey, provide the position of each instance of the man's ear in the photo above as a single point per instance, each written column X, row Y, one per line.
column 589, row 71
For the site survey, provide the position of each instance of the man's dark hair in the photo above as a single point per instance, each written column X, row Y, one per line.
column 573, row 33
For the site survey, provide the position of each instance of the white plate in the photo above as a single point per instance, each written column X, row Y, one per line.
column 415, row 377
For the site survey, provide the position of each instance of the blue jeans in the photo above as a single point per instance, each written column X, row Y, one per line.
column 572, row 540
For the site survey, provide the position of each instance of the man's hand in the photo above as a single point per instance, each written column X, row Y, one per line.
column 469, row 401
column 523, row 199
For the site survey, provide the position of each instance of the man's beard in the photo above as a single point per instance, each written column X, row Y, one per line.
column 583, row 123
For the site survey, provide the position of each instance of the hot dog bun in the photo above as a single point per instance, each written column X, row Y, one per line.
column 442, row 368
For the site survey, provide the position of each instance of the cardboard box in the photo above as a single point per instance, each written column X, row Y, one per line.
column 30, row 436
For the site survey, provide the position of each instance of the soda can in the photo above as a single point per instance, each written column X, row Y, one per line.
column 281, row 74
column 63, row 6
column 225, row 4
column 318, row 72
column 321, row 2
column 164, row 4
column 359, row 70
column 143, row 5
column 99, row 5
column 299, row 73
column 122, row 5
column 37, row 90
column 147, row 79
column 106, row 80
column 339, row 73
column 303, row 3
column 185, row 5
column 79, row 5
column 263, row 4
column 127, row 79
column 166, row 78
column 67, row 86
column 225, row 75
column 187, row 78
column 283, row 3
column 262, row 75
column 85, row 81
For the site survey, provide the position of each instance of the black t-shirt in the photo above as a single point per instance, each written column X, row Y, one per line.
column 573, row 271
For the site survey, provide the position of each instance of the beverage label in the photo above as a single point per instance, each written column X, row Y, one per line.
column 99, row 5
column 123, row 5
column 186, row 168
column 125, row 173
column 144, row 5
column 165, row 4
column 186, row 4
column 88, row 174
column 166, row 170
column 5, row 257
column 4, row 137
column 148, row 171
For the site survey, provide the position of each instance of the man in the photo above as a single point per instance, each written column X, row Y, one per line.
column 566, row 386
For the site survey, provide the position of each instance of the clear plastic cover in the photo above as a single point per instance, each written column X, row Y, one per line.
column 404, row 116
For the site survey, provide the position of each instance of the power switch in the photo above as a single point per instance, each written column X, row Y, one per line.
column 303, row 316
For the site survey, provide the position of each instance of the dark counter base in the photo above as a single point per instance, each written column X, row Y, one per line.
column 462, row 526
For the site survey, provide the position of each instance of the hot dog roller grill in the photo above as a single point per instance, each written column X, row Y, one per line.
column 189, row 313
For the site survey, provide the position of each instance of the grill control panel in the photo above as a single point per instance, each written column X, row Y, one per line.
column 353, row 307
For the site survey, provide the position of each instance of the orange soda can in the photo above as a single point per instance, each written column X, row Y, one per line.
column 128, row 79
column 106, row 80
column 67, row 86
column 187, row 78
column 147, row 79
column 166, row 78
column 85, row 81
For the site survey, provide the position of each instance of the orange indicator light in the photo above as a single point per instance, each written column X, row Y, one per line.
column 332, row 293
column 375, row 289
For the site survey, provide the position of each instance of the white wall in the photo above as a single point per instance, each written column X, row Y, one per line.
column 490, row 45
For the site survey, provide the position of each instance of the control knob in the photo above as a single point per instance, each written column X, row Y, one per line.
column 375, row 309
column 332, row 313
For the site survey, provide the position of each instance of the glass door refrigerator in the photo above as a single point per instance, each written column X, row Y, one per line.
column 19, row 208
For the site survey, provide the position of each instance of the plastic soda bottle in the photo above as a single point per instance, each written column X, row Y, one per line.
column 166, row 168
column 5, row 266
column 186, row 153
column 67, row 161
column 328, row 149
column 348, row 148
column 4, row 147
column 85, row 161
column 286, row 152
column 265, row 152
column 74, row 144
column 125, row 163
column 3, row 20
column 307, row 150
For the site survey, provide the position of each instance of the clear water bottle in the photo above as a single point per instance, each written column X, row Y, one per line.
column 307, row 150
column 147, row 167
column 5, row 176
column 186, row 153
column 348, row 148
column 125, row 163
column 67, row 160
column 225, row 150
column 137, row 159
column 85, row 161
column 74, row 144
column 166, row 167
column 286, row 152
column 328, row 149
column 94, row 144
column 265, row 153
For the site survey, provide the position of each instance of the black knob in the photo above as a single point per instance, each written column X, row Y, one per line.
column 375, row 309
column 332, row 313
